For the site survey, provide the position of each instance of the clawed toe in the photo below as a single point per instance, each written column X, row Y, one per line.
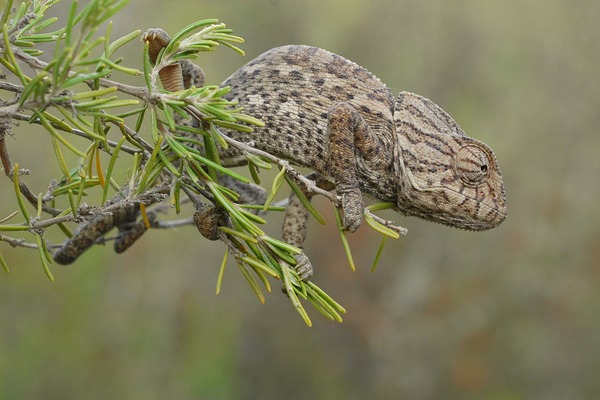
column 352, row 210
column 303, row 267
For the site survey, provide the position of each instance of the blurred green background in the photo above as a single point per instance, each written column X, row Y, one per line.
column 513, row 313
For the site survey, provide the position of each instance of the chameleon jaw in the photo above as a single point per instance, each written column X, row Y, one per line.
column 465, row 208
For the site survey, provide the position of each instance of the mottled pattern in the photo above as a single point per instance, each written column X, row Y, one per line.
column 294, row 89
column 327, row 113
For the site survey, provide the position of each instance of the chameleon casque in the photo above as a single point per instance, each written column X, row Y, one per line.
column 331, row 115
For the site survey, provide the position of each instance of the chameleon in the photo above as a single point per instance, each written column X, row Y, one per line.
column 327, row 113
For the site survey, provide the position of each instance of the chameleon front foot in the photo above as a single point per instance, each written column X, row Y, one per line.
column 303, row 267
column 352, row 210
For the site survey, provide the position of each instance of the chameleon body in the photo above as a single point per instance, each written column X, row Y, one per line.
column 327, row 113
column 331, row 115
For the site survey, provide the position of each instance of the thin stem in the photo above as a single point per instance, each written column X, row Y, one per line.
column 137, row 138
column 14, row 242
column 387, row 223
column 11, row 87
column 173, row 224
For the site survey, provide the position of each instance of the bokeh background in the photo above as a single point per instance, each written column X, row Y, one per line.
column 512, row 313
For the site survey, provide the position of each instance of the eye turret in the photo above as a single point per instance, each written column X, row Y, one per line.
column 472, row 164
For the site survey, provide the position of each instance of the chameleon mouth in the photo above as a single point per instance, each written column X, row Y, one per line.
column 491, row 219
column 469, row 208
column 484, row 214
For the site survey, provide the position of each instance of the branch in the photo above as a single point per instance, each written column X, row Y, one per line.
column 11, row 87
column 17, row 242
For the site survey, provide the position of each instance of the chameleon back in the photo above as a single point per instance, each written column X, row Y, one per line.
column 292, row 88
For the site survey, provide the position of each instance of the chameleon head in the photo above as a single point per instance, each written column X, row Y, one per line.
column 445, row 176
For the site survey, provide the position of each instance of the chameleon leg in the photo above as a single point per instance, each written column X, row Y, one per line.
column 295, row 225
column 349, row 135
column 294, row 232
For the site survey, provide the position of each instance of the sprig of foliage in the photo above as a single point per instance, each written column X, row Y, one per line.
column 71, row 96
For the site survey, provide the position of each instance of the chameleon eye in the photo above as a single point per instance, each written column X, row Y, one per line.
column 472, row 164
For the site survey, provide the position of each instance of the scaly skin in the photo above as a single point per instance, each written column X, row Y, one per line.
column 327, row 113
column 331, row 115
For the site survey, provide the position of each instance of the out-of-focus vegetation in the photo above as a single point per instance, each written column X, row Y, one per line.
column 511, row 313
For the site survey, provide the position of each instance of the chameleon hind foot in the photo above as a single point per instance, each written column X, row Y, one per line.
column 303, row 267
